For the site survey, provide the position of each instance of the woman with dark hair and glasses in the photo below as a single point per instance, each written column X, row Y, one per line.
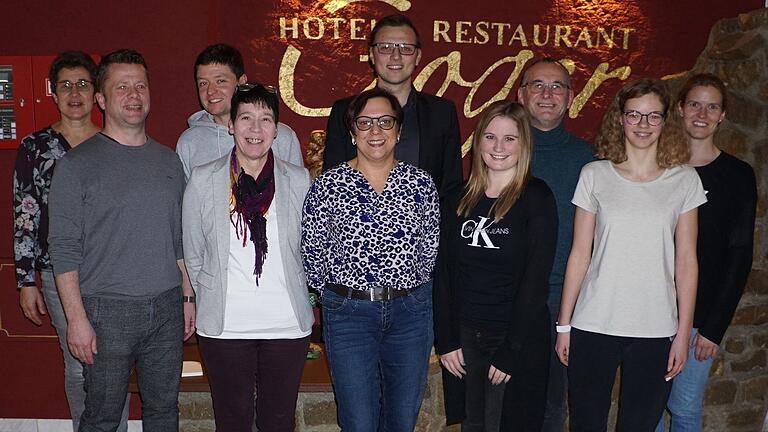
column 492, row 325
column 630, row 283
column 726, row 230
column 370, row 233
column 72, row 76
column 241, row 220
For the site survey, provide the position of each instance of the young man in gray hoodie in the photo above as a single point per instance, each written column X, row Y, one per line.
column 219, row 69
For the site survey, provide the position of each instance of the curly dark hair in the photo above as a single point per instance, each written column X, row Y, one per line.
column 610, row 142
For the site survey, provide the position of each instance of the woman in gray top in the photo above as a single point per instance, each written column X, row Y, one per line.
column 241, row 217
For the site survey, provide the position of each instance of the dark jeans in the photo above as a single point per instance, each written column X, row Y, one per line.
column 378, row 353
column 593, row 361
column 237, row 366
column 556, row 408
column 74, row 382
column 147, row 333
column 483, row 400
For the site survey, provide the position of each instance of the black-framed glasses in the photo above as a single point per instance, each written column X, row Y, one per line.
column 385, row 122
column 538, row 86
column 387, row 48
column 245, row 87
column 654, row 118
column 68, row 86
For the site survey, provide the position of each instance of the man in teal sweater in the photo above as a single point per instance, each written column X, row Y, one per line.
column 558, row 157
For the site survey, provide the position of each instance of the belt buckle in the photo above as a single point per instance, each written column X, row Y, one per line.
column 372, row 293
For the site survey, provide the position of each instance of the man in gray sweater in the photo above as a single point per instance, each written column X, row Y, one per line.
column 116, row 250
column 219, row 69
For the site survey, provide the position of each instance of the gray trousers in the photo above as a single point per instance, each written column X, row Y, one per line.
column 144, row 332
column 73, row 369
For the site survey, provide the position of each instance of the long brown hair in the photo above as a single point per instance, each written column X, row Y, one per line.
column 672, row 148
column 478, row 178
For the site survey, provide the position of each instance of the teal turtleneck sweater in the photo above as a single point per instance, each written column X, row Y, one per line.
column 557, row 159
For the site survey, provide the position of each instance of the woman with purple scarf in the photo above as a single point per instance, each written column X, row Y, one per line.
column 241, row 218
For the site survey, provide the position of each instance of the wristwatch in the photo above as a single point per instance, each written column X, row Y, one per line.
column 562, row 328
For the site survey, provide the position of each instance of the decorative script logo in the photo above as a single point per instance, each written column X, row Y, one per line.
column 334, row 5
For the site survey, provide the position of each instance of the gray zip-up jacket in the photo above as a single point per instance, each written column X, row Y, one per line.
column 206, row 141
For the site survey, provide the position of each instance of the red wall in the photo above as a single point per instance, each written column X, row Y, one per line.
column 667, row 40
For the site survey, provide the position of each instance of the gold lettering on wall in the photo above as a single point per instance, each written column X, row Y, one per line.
column 319, row 28
column 482, row 31
column 536, row 33
column 466, row 32
column 519, row 35
column 287, row 90
column 500, row 31
column 354, row 25
column 459, row 32
column 462, row 31
column 440, row 30
column 334, row 5
column 598, row 77
column 284, row 28
column 453, row 76
column 559, row 35
column 315, row 28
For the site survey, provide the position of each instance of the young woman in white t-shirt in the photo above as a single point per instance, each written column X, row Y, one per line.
column 630, row 284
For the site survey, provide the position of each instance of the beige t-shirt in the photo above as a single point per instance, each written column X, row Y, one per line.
column 629, row 288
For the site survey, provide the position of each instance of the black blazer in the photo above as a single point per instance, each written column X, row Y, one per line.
column 439, row 140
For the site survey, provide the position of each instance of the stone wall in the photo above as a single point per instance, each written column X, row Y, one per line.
column 737, row 396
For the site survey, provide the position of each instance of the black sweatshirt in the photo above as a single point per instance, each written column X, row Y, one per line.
column 726, row 230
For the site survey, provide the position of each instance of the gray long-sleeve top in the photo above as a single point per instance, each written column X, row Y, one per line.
column 115, row 217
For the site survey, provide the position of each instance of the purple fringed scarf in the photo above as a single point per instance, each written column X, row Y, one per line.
column 249, row 201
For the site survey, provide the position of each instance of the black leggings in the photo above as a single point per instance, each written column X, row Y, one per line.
column 593, row 360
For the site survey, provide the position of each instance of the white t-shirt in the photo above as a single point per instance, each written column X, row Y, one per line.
column 629, row 288
column 264, row 311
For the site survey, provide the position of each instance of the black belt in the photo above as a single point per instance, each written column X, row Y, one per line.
column 371, row 294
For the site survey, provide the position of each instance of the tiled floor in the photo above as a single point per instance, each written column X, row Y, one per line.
column 46, row 425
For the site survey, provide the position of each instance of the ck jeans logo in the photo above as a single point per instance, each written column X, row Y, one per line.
column 477, row 231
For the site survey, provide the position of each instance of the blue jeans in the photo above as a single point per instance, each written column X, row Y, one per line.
column 147, row 333
column 378, row 352
column 73, row 369
column 685, row 403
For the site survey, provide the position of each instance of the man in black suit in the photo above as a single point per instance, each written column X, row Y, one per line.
column 429, row 135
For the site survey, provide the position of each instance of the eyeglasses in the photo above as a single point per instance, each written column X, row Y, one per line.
column 538, row 86
column 364, row 123
column 245, row 87
column 67, row 86
column 387, row 48
column 635, row 117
